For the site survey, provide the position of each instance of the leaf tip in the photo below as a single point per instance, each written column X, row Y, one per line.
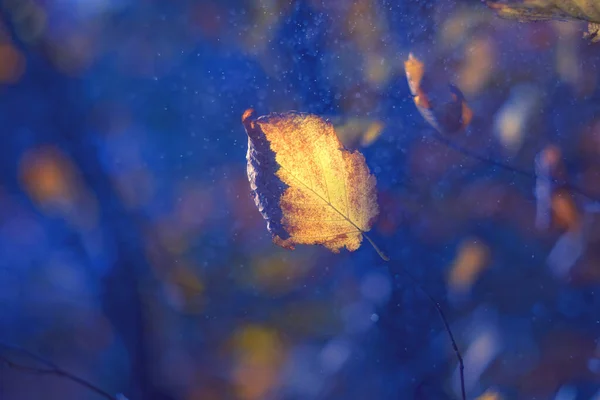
column 414, row 69
column 247, row 116
column 412, row 62
column 249, row 122
column 285, row 243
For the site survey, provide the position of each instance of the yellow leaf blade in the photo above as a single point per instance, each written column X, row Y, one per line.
column 309, row 188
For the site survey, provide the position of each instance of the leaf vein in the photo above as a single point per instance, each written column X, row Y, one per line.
column 324, row 200
column 327, row 236
column 324, row 175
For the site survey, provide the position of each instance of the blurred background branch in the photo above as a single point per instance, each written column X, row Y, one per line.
column 66, row 125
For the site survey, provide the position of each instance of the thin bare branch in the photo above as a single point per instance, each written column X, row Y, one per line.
column 469, row 153
column 437, row 306
column 49, row 369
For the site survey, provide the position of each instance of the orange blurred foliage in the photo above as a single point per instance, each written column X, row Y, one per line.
column 471, row 260
column 48, row 175
column 12, row 63
column 52, row 181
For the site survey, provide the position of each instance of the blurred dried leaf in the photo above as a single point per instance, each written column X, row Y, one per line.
column 544, row 10
column 444, row 108
column 306, row 185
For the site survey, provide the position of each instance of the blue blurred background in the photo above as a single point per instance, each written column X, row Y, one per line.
column 132, row 254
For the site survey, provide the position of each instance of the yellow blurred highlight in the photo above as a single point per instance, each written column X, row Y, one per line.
column 372, row 133
column 358, row 131
column 12, row 64
column 377, row 70
column 310, row 317
column 470, row 261
column 273, row 272
column 567, row 60
column 51, row 180
column 276, row 273
column 460, row 25
column 363, row 23
column 454, row 29
column 478, row 66
column 570, row 64
column 367, row 27
column 490, row 395
column 510, row 126
column 265, row 15
column 256, row 39
column 259, row 355
column 513, row 119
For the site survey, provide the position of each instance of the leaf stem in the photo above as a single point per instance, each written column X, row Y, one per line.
column 377, row 249
column 437, row 307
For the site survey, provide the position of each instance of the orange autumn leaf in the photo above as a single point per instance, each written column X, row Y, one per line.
column 308, row 187
column 444, row 107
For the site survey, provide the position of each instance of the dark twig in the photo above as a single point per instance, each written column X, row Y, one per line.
column 464, row 151
column 50, row 369
column 469, row 153
column 437, row 306
column 447, row 326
